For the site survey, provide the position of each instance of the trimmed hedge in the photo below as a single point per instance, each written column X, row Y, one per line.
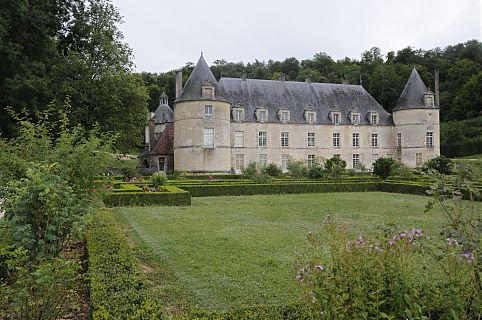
column 173, row 197
column 252, row 189
column 118, row 289
column 406, row 188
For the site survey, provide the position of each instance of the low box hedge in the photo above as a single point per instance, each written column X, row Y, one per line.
column 405, row 188
column 118, row 289
column 172, row 197
column 252, row 189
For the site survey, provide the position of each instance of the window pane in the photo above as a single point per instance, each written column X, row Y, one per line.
column 239, row 139
column 262, row 135
column 208, row 109
column 209, row 137
column 284, row 139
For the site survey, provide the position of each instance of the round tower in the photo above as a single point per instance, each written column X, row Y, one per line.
column 201, row 124
column 417, row 126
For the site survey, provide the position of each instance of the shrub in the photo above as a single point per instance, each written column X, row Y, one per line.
column 297, row 168
column 441, row 164
column 272, row 169
column 335, row 167
column 159, row 179
column 173, row 196
column 250, row 170
column 315, row 171
column 118, row 289
column 384, row 167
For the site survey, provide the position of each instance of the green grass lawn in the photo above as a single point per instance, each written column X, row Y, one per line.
column 227, row 252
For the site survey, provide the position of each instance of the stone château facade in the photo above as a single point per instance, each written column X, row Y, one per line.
column 221, row 126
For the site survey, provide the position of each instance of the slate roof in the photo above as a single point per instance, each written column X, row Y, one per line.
column 200, row 75
column 301, row 96
column 165, row 143
column 412, row 94
column 163, row 114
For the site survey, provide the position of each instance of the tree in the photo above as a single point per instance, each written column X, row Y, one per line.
column 335, row 167
column 384, row 167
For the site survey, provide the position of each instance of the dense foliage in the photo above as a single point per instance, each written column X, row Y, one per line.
column 51, row 50
column 441, row 164
column 384, row 167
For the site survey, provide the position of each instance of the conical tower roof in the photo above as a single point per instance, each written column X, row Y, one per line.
column 412, row 94
column 201, row 75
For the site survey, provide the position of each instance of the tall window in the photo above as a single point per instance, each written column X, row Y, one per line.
column 209, row 138
column 208, row 110
column 238, row 115
column 374, row 140
column 263, row 160
column 399, row 140
column 162, row 163
column 239, row 165
column 311, row 139
column 262, row 137
column 311, row 160
column 284, row 139
column 356, row 140
column 374, row 158
column 336, row 140
column 263, row 115
column 336, row 118
column 429, row 140
column 418, row 159
column 239, row 139
column 284, row 116
column 374, row 119
column 284, row 162
column 356, row 160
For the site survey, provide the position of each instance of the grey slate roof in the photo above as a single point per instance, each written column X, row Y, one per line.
column 199, row 76
column 412, row 94
column 301, row 96
column 163, row 114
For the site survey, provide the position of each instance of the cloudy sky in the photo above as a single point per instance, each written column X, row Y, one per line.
column 164, row 35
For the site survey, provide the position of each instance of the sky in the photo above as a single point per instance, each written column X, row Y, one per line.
column 166, row 34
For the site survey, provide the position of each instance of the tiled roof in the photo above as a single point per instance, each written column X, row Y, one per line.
column 165, row 143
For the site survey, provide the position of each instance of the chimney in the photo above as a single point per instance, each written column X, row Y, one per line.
column 152, row 139
column 178, row 83
column 244, row 76
column 308, row 79
column 437, row 93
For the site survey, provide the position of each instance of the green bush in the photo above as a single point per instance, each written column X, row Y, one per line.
column 272, row 169
column 441, row 164
column 118, row 289
column 384, row 167
column 250, row 171
column 159, row 179
column 315, row 170
column 297, row 168
column 335, row 167
column 172, row 197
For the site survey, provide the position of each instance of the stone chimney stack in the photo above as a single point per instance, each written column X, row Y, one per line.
column 244, row 76
column 178, row 83
column 152, row 137
column 437, row 90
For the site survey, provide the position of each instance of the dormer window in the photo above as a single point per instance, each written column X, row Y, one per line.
column 284, row 116
column 355, row 119
column 262, row 114
column 310, row 117
column 207, row 90
column 373, row 116
column 238, row 114
column 335, row 117
column 428, row 99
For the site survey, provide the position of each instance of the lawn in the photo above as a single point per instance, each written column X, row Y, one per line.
column 228, row 252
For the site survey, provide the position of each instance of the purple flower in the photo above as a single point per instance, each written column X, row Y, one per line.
column 452, row 242
column 391, row 243
column 320, row 267
column 403, row 234
column 361, row 240
column 417, row 232
column 299, row 277
column 467, row 255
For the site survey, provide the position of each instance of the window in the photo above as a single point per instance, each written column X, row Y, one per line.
column 310, row 117
column 356, row 160
column 418, row 159
column 262, row 115
column 239, row 139
column 207, row 91
column 284, row 116
column 238, row 115
column 374, row 140
column 263, row 160
column 209, row 138
column 262, row 137
column 399, row 141
column 284, row 139
column 355, row 118
column 336, row 140
column 373, row 119
column 162, row 163
column 208, row 110
column 311, row 160
column 336, row 118
column 311, row 139
column 356, row 140
column 284, row 162
column 429, row 140
column 239, row 165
